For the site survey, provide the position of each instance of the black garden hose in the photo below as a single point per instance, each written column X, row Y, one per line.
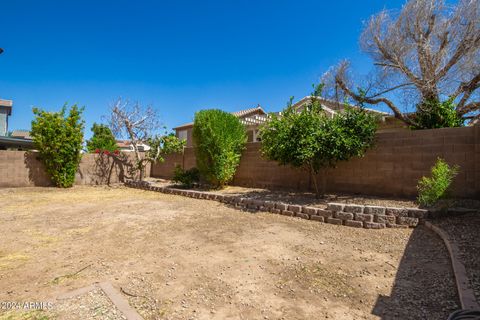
column 465, row 315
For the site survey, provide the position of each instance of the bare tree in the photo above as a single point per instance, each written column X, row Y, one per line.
column 426, row 52
column 141, row 125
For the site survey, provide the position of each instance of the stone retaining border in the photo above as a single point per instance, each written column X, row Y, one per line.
column 465, row 292
column 351, row 215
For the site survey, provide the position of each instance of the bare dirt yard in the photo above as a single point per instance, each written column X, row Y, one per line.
column 182, row 258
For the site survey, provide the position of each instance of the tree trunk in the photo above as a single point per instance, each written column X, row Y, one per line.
column 135, row 149
column 314, row 179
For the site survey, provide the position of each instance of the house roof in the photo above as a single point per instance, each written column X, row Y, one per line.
column 242, row 114
column 246, row 112
column 332, row 105
column 257, row 115
column 24, row 134
column 16, row 143
column 123, row 143
column 7, row 104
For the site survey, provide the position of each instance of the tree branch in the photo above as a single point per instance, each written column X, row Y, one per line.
column 391, row 89
column 398, row 114
column 472, row 106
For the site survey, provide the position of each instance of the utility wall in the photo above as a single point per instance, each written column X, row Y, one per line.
column 392, row 168
column 24, row 169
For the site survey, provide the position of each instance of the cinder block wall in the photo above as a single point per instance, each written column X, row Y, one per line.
column 401, row 158
column 391, row 168
column 24, row 169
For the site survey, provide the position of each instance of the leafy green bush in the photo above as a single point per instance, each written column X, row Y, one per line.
column 431, row 189
column 186, row 177
column 58, row 138
column 219, row 139
column 435, row 114
column 310, row 140
column 102, row 139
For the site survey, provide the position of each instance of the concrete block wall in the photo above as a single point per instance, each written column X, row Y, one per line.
column 392, row 168
column 400, row 159
column 24, row 169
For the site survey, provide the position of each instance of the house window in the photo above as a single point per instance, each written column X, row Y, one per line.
column 182, row 134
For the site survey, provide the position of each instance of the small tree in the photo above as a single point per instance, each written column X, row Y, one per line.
column 219, row 139
column 310, row 140
column 102, row 139
column 58, row 138
column 141, row 126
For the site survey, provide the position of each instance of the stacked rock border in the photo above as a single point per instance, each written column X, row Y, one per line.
column 351, row 215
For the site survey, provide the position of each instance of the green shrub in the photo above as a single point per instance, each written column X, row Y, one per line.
column 102, row 139
column 58, row 138
column 431, row 189
column 186, row 177
column 311, row 140
column 433, row 114
column 219, row 139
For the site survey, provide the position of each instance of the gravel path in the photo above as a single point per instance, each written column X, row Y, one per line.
column 91, row 305
column 464, row 231
column 424, row 286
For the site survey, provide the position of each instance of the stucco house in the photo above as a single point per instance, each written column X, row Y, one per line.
column 253, row 118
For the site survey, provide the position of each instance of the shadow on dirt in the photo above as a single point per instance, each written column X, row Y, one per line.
column 424, row 286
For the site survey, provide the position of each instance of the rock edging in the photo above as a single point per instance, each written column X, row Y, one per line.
column 465, row 292
column 351, row 215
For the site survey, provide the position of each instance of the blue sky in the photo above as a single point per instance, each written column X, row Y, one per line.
column 180, row 56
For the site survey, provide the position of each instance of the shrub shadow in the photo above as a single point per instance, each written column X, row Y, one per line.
column 37, row 175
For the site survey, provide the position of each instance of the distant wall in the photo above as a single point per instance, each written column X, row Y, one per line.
column 24, row 169
column 391, row 168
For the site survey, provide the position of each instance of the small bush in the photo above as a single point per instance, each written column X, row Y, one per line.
column 186, row 177
column 431, row 189
column 219, row 139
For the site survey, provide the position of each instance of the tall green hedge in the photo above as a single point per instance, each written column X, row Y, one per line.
column 219, row 139
column 58, row 137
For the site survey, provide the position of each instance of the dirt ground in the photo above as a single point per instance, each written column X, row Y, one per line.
column 182, row 258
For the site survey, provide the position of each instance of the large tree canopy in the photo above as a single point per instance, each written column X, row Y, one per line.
column 423, row 55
